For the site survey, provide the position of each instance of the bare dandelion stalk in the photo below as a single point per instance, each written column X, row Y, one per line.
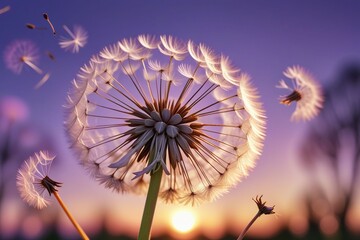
column 242, row 235
column 262, row 210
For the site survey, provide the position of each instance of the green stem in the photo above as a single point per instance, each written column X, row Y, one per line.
column 150, row 204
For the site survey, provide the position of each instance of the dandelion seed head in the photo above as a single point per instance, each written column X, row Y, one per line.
column 76, row 39
column 33, row 182
column 305, row 91
column 19, row 53
column 180, row 108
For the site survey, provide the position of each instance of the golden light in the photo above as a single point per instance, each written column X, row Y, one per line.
column 183, row 221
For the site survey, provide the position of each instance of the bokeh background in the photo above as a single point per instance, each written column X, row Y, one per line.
column 309, row 170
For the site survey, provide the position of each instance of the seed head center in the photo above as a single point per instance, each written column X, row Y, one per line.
column 166, row 122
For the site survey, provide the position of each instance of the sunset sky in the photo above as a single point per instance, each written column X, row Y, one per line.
column 262, row 38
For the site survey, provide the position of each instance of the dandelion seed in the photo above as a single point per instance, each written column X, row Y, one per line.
column 35, row 185
column 20, row 53
column 50, row 55
column 30, row 26
column 46, row 17
column 126, row 126
column 148, row 41
column 78, row 39
column 33, row 182
column 305, row 92
column 42, row 81
column 4, row 9
column 262, row 209
column 33, row 26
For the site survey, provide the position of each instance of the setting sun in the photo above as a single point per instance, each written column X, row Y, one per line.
column 183, row 221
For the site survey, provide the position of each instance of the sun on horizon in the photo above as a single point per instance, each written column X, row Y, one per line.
column 183, row 221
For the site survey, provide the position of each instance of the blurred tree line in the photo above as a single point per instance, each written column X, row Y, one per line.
column 331, row 155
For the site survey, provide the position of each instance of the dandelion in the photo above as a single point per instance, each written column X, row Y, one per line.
column 262, row 209
column 78, row 39
column 30, row 26
column 145, row 117
column 305, row 92
column 42, row 81
column 4, row 9
column 20, row 53
column 46, row 17
column 50, row 55
column 35, row 186
column 33, row 26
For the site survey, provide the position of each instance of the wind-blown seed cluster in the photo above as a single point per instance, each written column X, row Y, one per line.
column 159, row 104
column 33, row 182
column 306, row 92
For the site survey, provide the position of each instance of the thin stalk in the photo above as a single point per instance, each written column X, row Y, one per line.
column 33, row 66
column 72, row 219
column 249, row 225
column 150, row 204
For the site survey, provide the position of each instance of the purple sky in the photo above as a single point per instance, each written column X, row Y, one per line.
column 261, row 37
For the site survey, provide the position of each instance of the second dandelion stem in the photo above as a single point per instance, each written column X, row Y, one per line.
column 150, row 204
column 73, row 221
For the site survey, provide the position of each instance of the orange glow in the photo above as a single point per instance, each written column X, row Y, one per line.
column 298, row 225
column 329, row 225
column 353, row 220
column 32, row 226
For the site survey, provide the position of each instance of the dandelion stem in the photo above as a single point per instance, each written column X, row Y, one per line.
column 73, row 221
column 33, row 66
column 150, row 204
column 258, row 214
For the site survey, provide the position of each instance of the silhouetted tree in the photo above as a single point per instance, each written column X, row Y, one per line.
column 333, row 141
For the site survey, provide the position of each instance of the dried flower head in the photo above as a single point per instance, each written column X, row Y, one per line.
column 263, row 209
column 147, row 104
column 305, row 92
column 20, row 53
column 33, row 180
column 78, row 39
